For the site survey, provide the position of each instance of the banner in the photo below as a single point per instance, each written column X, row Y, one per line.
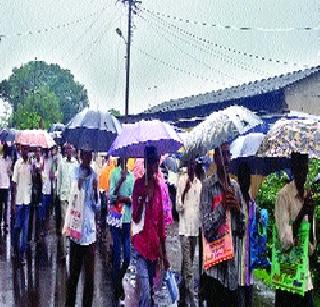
column 290, row 270
column 221, row 249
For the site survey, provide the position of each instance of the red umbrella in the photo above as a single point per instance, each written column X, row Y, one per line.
column 35, row 138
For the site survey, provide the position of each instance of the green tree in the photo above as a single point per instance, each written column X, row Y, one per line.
column 31, row 76
column 114, row 112
column 38, row 110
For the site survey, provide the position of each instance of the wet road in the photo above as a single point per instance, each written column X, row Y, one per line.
column 41, row 282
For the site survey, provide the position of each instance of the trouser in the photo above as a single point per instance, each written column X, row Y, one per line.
column 188, row 245
column 219, row 295
column 33, row 219
column 81, row 256
column 246, row 296
column 120, row 240
column 3, row 205
column 58, row 213
column 288, row 299
column 64, row 206
column 21, row 226
column 146, row 271
column 43, row 210
column 104, row 210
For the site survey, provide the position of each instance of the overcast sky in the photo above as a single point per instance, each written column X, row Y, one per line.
column 165, row 62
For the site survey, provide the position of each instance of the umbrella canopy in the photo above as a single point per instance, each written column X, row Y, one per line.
column 7, row 135
column 246, row 145
column 93, row 130
column 135, row 137
column 245, row 148
column 287, row 136
column 220, row 127
column 35, row 138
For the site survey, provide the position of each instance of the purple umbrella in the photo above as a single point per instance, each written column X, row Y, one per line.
column 135, row 137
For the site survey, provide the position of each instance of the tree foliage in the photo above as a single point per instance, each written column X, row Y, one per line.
column 114, row 112
column 30, row 77
column 38, row 110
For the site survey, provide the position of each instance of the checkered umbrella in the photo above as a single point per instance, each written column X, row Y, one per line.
column 287, row 136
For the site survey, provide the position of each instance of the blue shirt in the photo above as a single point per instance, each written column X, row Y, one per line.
column 126, row 190
column 89, row 230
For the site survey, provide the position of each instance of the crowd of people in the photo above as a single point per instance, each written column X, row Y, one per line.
column 136, row 207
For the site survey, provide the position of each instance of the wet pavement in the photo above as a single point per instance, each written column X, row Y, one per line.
column 42, row 281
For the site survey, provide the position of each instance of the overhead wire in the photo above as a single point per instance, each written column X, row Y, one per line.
column 205, row 48
column 172, row 66
column 231, row 49
column 52, row 27
column 244, row 28
column 70, row 50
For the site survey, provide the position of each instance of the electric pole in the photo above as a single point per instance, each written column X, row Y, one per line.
column 128, row 45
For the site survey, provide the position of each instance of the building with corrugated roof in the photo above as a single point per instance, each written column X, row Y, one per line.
column 294, row 91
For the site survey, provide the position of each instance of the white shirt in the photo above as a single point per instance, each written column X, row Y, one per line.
column 65, row 174
column 23, row 179
column 46, row 182
column 190, row 209
column 5, row 168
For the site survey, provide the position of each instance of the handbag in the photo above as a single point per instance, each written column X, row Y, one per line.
column 220, row 249
column 74, row 214
column 138, row 227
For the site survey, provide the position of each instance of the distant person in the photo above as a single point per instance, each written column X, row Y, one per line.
column 65, row 173
column 5, row 173
column 188, row 205
column 246, row 278
column 149, row 244
column 104, row 191
column 82, row 251
column 20, row 202
column 36, row 198
column 46, row 198
column 292, row 206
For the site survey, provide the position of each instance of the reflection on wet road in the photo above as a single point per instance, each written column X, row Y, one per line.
column 42, row 281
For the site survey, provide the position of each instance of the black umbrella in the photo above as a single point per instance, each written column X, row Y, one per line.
column 92, row 129
column 7, row 135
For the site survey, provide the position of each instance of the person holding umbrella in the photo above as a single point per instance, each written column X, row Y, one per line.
column 149, row 243
column 21, row 199
column 82, row 251
column 292, row 206
column 221, row 196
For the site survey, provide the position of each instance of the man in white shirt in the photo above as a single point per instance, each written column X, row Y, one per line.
column 21, row 199
column 188, row 205
column 66, row 170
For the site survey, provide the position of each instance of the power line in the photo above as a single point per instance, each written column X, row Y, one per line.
column 229, row 49
column 192, row 56
column 221, row 57
column 232, row 27
column 53, row 27
column 83, row 34
column 172, row 66
column 96, row 42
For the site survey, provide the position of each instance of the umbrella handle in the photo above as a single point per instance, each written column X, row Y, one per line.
column 145, row 172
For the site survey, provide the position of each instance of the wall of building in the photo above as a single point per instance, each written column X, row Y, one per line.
column 304, row 96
